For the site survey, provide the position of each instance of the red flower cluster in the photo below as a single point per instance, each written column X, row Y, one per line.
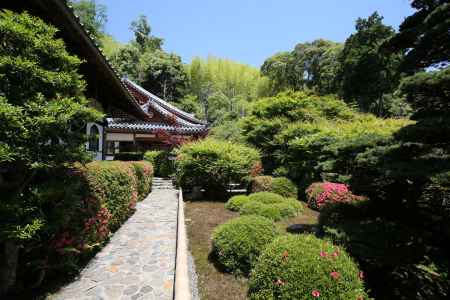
column 97, row 227
column 63, row 241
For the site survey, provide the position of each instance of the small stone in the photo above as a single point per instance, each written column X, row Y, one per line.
column 130, row 290
column 146, row 289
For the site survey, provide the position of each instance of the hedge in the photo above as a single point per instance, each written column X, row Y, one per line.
column 305, row 267
column 81, row 207
column 235, row 203
column 237, row 243
column 160, row 160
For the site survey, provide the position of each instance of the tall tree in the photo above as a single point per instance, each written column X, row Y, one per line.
column 142, row 35
column 42, row 117
column 366, row 74
column 279, row 69
column 92, row 15
column 163, row 74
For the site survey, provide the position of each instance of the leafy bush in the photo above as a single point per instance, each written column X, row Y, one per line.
column 238, row 242
column 305, row 267
column 284, row 187
column 213, row 164
column 270, row 211
column 143, row 171
column 321, row 193
column 128, row 156
column 266, row 197
column 160, row 160
column 279, row 185
column 269, row 205
column 235, row 203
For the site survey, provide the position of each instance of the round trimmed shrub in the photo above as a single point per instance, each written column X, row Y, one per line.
column 214, row 164
column 305, row 267
column 235, row 203
column 238, row 243
column 270, row 211
column 289, row 208
column 284, row 187
column 266, row 197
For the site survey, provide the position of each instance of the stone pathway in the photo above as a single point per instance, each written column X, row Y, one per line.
column 139, row 260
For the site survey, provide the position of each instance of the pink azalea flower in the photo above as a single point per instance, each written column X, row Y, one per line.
column 361, row 275
column 335, row 275
column 315, row 293
column 323, row 254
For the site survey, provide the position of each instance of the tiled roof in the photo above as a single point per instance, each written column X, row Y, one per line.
column 162, row 106
column 143, row 126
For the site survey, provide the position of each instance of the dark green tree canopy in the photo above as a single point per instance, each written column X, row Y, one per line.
column 43, row 114
column 424, row 37
column 365, row 73
column 142, row 35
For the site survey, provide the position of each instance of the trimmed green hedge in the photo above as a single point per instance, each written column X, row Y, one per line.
column 237, row 243
column 213, row 165
column 81, row 207
column 305, row 267
column 235, row 203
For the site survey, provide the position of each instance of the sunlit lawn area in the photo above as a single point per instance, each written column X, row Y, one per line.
column 201, row 219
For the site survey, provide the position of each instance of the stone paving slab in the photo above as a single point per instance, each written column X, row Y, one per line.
column 139, row 260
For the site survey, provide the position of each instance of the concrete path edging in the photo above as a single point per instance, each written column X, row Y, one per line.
column 182, row 290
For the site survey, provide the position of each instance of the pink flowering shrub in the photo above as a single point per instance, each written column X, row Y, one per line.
column 320, row 193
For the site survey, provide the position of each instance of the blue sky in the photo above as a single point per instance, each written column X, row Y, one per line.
column 247, row 31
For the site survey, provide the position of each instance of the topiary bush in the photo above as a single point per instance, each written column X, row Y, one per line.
column 270, row 211
column 237, row 243
column 266, row 197
column 284, row 187
column 279, row 185
column 213, row 165
column 319, row 194
column 305, row 267
column 235, row 203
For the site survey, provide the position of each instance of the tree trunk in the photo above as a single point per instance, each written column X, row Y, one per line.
column 8, row 265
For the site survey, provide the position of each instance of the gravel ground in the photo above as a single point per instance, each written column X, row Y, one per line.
column 193, row 278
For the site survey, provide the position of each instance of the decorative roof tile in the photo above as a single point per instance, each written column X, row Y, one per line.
column 143, row 126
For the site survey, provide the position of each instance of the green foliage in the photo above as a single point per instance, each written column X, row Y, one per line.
column 366, row 73
column 160, row 160
column 304, row 267
column 213, row 164
column 142, row 35
column 284, row 187
column 423, row 36
column 235, row 203
column 269, row 211
column 310, row 65
column 163, row 74
column 92, row 15
column 42, row 114
column 238, row 242
column 110, row 45
column 269, row 205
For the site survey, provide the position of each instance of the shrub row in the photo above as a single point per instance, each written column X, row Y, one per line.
column 279, row 185
column 82, row 206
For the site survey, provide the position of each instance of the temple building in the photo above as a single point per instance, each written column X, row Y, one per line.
column 136, row 120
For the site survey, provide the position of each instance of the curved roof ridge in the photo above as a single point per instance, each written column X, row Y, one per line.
column 165, row 104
